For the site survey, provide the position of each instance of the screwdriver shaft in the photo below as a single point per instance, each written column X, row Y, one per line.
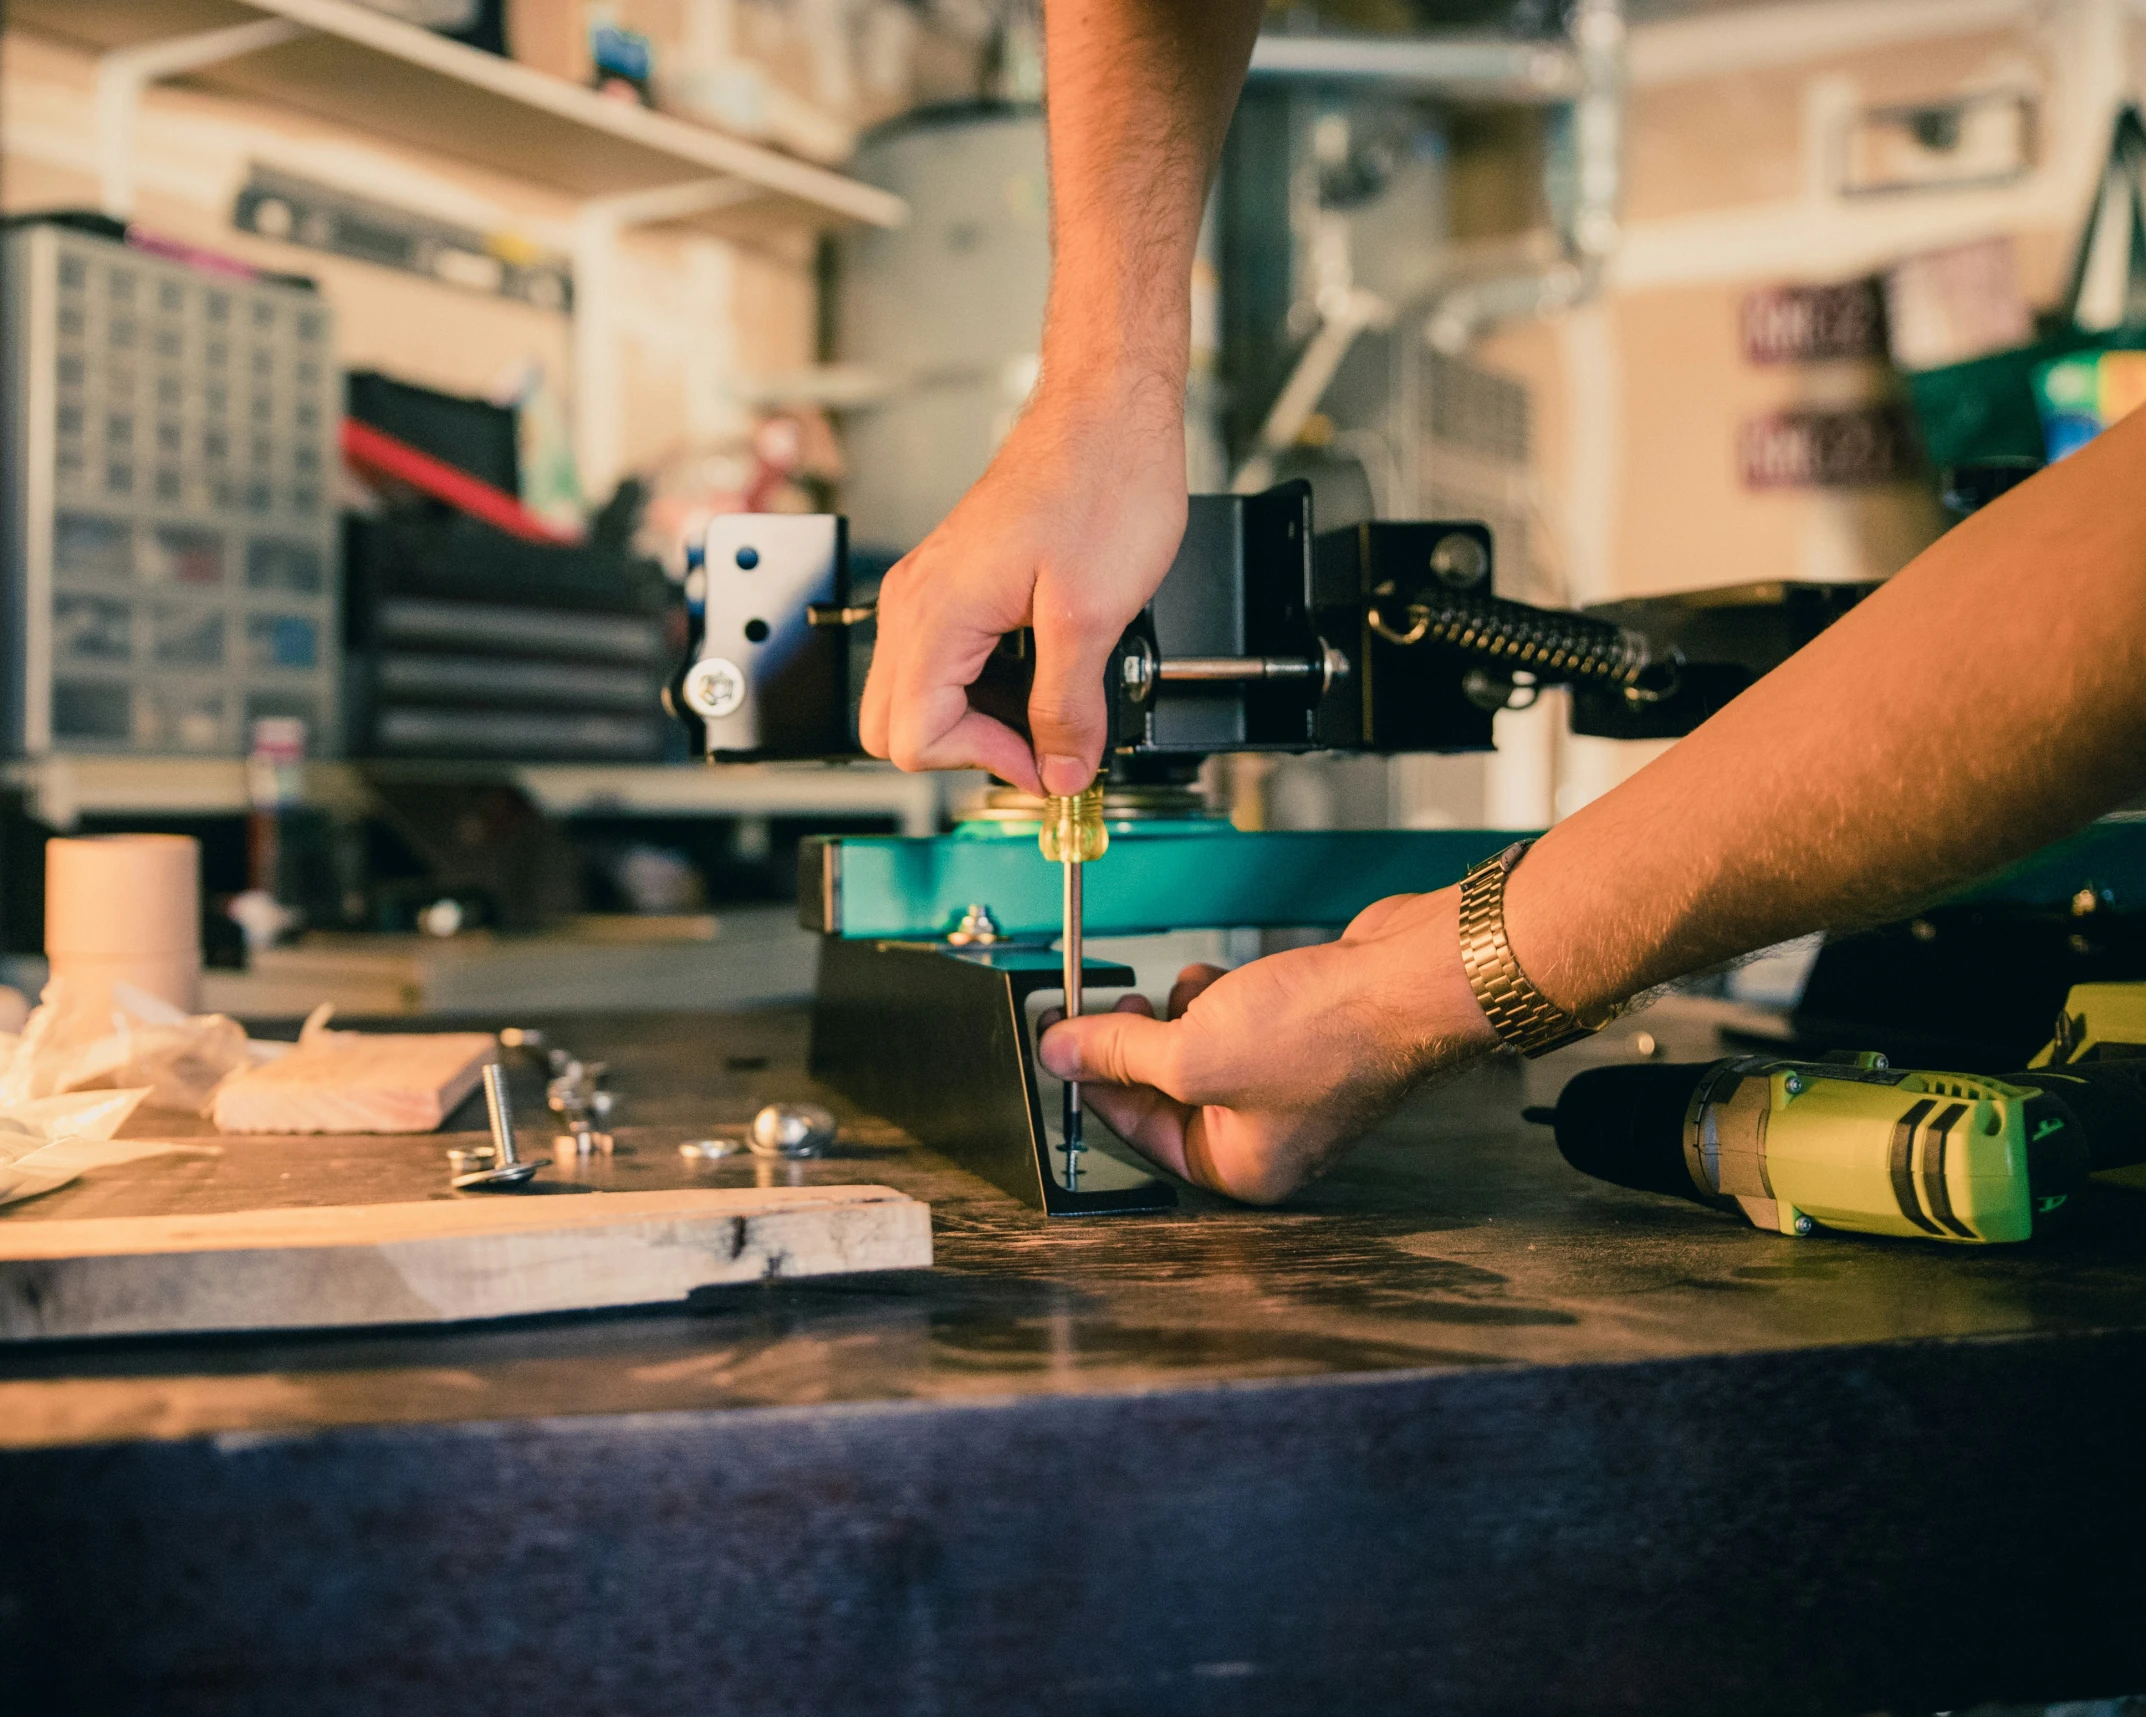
column 1070, row 943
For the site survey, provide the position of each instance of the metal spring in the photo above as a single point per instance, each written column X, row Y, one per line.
column 1553, row 645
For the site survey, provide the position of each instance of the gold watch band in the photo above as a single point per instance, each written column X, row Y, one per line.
column 1521, row 1015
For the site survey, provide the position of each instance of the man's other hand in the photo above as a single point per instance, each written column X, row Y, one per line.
column 1069, row 531
column 1262, row 1075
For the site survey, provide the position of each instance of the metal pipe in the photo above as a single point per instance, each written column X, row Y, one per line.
column 1585, row 184
column 1477, row 66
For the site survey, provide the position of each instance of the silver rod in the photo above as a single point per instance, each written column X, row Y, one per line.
column 828, row 614
column 1238, row 668
column 501, row 1115
column 1070, row 944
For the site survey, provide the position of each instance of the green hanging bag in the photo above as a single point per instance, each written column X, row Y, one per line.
column 1986, row 408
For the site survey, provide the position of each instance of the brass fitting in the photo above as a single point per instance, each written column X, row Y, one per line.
column 1073, row 830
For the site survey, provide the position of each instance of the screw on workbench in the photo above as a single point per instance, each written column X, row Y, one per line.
column 792, row 1130
column 977, row 927
column 577, row 1096
column 508, row 1167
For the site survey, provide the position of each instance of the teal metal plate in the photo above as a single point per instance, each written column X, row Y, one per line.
column 891, row 886
column 1201, row 878
column 2109, row 857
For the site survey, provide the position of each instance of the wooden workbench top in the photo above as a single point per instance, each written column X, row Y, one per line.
column 1458, row 1239
column 1454, row 1426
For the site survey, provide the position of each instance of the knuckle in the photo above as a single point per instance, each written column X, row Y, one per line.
column 1105, row 1052
column 1176, row 1070
column 1055, row 717
column 1078, row 612
column 906, row 751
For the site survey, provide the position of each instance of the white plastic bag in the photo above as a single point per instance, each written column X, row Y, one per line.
column 46, row 1142
column 177, row 1059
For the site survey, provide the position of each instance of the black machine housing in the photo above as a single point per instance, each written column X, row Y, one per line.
column 1263, row 636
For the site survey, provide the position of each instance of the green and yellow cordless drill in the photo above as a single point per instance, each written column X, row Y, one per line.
column 1852, row 1143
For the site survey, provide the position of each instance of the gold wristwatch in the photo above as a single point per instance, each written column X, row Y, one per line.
column 1525, row 1018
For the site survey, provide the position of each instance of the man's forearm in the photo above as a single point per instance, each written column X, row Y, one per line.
column 1140, row 95
column 1991, row 698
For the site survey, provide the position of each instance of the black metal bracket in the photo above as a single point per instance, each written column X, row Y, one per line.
column 936, row 1040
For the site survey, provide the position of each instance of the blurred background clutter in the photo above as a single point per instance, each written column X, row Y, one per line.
column 371, row 367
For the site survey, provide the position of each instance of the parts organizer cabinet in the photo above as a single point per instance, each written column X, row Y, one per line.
column 170, row 445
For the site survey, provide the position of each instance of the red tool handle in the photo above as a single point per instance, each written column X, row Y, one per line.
column 375, row 450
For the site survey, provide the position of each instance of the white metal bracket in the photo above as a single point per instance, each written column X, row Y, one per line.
column 599, row 389
column 125, row 73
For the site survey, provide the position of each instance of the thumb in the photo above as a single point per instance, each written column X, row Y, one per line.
column 1115, row 1048
column 1066, row 716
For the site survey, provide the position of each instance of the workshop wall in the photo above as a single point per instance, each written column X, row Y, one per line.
column 1732, row 187
column 1738, row 148
column 686, row 305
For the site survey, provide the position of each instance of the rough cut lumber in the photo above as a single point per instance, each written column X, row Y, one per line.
column 347, row 1083
column 482, row 1256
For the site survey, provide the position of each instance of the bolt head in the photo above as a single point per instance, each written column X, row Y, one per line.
column 494, row 1176
column 977, row 926
column 792, row 1130
column 1459, row 560
column 1137, row 670
column 714, row 687
column 1804, row 1225
column 1793, row 1084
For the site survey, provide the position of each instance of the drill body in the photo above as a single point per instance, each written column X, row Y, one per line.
column 1855, row 1144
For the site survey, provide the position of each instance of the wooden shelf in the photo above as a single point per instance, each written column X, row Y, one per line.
column 63, row 788
column 736, row 789
column 376, row 74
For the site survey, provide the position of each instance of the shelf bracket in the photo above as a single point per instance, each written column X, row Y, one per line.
column 599, row 392
column 48, row 791
column 125, row 73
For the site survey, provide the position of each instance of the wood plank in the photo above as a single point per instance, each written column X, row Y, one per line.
column 439, row 1261
column 345, row 1082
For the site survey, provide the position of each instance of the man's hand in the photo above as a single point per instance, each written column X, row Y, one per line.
column 1070, row 531
column 1076, row 521
column 1262, row 1075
